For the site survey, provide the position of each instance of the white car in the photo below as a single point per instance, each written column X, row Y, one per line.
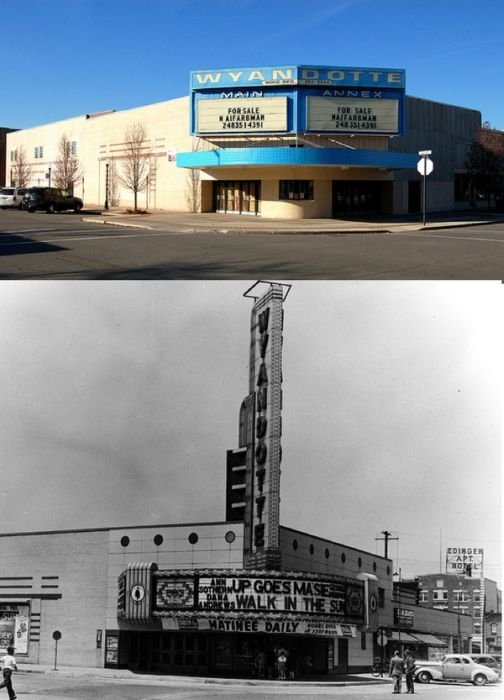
column 11, row 197
column 455, row 667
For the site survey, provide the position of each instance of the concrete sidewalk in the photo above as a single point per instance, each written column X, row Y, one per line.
column 177, row 222
column 127, row 675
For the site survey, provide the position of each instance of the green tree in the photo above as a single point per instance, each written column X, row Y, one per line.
column 485, row 162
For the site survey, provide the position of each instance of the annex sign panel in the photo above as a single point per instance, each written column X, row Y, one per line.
column 248, row 115
column 352, row 114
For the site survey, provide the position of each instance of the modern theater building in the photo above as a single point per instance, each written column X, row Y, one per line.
column 283, row 141
column 206, row 597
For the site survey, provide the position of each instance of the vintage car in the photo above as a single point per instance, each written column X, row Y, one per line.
column 455, row 667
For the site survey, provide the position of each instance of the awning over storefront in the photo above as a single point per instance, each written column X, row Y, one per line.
column 403, row 637
column 430, row 640
column 260, row 157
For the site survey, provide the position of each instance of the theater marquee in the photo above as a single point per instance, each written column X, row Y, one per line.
column 338, row 600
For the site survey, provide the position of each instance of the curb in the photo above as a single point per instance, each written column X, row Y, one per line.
column 116, row 223
column 198, row 680
column 394, row 229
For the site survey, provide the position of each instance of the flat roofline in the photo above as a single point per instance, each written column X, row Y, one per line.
column 118, row 527
column 339, row 544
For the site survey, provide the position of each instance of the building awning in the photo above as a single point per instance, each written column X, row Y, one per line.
column 404, row 637
column 430, row 640
column 261, row 157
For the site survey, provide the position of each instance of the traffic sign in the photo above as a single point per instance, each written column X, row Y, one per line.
column 424, row 153
column 425, row 166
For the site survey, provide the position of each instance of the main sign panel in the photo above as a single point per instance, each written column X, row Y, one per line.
column 251, row 114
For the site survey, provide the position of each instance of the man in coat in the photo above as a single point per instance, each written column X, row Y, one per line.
column 409, row 665
column 396, row 671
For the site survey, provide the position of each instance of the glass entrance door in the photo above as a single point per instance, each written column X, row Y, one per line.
column 237, row 197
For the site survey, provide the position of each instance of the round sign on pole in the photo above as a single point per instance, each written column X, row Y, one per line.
column 425, row 166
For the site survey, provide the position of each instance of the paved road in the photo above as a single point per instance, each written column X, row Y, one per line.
column 62, row 246
column 65, row 687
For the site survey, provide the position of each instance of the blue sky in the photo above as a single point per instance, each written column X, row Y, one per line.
column 65, row 59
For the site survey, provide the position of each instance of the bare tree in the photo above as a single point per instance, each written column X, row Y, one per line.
column 67, row 168
column 22, row 170
column 193, row 187
column 135, row 165
column 113, row 184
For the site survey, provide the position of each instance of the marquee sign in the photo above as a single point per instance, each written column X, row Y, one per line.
column 339, row 599
column 298, row 75
column 249, row 114
column 296, row 99
column 222, row 623
column 352, row 114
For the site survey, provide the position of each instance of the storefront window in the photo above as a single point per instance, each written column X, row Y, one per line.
column 296, row 189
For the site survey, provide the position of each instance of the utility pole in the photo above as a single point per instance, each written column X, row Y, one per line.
column 386, row 537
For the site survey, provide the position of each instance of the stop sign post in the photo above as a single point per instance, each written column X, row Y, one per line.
column 56, row 636
column 424, row 166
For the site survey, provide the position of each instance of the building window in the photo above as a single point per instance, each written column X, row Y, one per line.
column 363, row 641
column 476, row 596
column 343, row 558
column 476, row 612
column 439, row 583
column 327, row 553
column 440, row 595
column 381, row 597
column 39, row 151
column 125, row 541
column 13, row 156
column 230, row 536
column 296, row 189
column 193, row 538
column 312, row 549
column 158, row 540
column 73, row 148
column 477, row 628
column 460, row 596
column 423, row 597
column 359, row 562
column 493, row 628
column 294, row 544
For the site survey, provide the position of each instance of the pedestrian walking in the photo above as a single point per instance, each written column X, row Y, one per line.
column 396, row 671
column 409, row 666
column 8, row 666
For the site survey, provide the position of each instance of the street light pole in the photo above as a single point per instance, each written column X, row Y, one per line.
column 106, row 185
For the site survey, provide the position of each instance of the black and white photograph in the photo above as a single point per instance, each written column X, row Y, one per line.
column 203, row 477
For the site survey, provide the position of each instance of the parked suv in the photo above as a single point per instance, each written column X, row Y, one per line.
column 12, row 197
column 50, row 199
